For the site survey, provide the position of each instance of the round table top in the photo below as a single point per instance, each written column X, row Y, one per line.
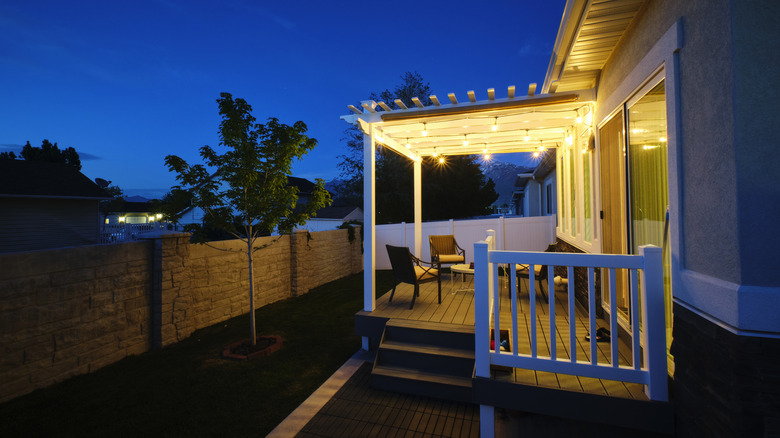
column 462, row 269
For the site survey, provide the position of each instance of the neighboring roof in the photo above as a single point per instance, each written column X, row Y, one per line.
column 588, row 33
column 545, row 166
column 305, row 187
column 335, row 212
column 133, row 207
column 22, row 178
column 136, row 199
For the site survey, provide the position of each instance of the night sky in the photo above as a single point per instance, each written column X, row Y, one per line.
column 127, row 83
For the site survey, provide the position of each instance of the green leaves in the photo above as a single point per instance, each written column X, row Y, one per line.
column 242, row 187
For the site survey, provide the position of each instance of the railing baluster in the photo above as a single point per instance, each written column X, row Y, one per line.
column 514, row 302
column 572, row 324
column 613, row 319
column 551, row 312
column 636, row 343
column 532, row 308
column 591, row 310
column 497, row 307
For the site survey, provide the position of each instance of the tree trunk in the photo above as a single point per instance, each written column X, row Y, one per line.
column 253, row 335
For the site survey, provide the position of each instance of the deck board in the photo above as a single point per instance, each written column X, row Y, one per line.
column 457, row 307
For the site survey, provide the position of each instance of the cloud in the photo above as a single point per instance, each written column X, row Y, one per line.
column 84, row 156
column 11, row 147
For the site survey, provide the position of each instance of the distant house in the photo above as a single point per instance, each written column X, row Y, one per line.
column 330, row 218
column 47, row 205
column 134, row 210
column 535, row 192
column 195, row 215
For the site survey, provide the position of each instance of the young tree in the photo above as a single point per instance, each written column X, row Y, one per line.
column 247, row 194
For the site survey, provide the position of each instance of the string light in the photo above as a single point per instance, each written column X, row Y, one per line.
column 425, row 130
column 465, row 140
column 441, row 160
column 495, row 124
column 569, row 139
column 408, row 146
column 527, row 138
column 579, row 117
column 435, row 154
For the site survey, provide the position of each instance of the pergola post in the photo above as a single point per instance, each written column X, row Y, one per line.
column 418, row 208
column 369, row 239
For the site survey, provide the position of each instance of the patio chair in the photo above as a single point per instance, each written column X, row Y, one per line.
column 540, row 274
column 445, row 250
column 407, row 269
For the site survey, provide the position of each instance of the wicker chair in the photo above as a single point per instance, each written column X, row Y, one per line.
column 407, row 269
column 445, row 250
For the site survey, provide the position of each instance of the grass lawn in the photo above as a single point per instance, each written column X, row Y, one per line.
column 188, row 390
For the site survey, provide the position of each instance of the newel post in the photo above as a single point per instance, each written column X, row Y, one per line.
column 653, row 322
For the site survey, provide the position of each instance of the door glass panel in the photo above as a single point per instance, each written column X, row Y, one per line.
column 648, row 182
column 613, row 208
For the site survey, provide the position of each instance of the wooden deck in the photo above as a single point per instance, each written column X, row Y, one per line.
column 457, row 307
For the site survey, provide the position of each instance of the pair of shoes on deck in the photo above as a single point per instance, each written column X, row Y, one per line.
column 602, row 335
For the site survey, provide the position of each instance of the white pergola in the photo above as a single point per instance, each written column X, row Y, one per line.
column 526, row 123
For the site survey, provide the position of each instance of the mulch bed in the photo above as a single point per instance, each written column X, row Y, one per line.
column 243, row 350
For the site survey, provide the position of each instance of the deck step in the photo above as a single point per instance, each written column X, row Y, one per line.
column 421, row 383
column 423, row 358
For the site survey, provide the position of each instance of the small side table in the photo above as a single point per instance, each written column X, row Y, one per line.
column 462, row 270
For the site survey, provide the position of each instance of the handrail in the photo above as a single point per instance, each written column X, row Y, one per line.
column 651, row 372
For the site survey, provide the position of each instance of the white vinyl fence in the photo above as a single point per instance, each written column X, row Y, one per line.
column 124, row 232
column 512, row 233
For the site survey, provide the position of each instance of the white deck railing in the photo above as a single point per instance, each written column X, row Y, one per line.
column 124, row 232
column 647, row 367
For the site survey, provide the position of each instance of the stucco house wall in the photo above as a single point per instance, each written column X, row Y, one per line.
column 726, row 330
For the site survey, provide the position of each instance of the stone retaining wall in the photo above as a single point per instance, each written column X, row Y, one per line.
column 70, row 311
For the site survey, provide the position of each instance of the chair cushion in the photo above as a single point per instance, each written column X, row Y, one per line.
column 523, row 269
column 450, row 258
column 421, row 273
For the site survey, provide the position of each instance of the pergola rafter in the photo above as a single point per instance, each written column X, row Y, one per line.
column 512, row 124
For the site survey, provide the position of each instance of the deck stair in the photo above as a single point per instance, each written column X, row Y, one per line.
column 426, row 358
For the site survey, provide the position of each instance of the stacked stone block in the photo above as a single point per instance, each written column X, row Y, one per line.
column 71, row 311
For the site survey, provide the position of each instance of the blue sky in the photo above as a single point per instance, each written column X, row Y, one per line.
column 127, row 83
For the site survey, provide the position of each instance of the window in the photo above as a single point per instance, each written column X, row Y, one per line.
column 588, row 225
column 548, row 199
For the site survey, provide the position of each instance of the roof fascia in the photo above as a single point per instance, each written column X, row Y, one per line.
column 567, row 33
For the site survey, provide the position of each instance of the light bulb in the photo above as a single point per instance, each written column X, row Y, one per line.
column 579, row 119
column 495, row 125
column 569, row 140
column 487, row 157
column 425, row 130
column 527, row 138
column 536, row 154
column 408, row 146
column 441, row 160
column 435, row 153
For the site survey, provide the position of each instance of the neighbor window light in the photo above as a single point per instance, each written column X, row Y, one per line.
column 121, row 218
